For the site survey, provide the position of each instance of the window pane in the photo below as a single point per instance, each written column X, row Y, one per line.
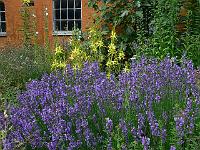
column 70, row 13
column 31, row 3
column 78, row 3
column 57, row 14
column 67, row 15
column 2, row 14
column 64, row 14
column 2, row 7
column 57, row 25
column 70, row 25
column 3, row 27
column 64, row 25
column 77, row 14
column 64, row 3
column 78, row 24
column 70, row 3
column 57, row 4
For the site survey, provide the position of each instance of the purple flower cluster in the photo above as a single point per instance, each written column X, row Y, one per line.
column 109, row 125
column 2, row 121
column 80, row 109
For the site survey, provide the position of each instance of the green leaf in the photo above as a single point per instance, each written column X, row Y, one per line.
column 125, row 13
column 138, row 3
column 139, row 14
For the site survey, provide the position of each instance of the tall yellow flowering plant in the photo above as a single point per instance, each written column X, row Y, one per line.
column 92, row 48
column 96, row 44
column 59, row 61
column 115, row 56
column 26, row 1
column 77, row 55
column 88, row 50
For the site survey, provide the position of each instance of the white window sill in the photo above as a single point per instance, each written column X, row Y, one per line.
column 62, row 33
column 2, row 34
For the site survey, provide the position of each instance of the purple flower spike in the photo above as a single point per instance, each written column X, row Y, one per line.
column 109, row 125
column 68, row 110
column 145, row 142
column 172, row 148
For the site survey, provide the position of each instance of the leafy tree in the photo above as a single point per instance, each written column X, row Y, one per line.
column 122, row 15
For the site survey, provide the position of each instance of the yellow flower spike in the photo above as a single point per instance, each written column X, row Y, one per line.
column 59, row 58
column 109, row 63
column 58, row 50
column 112, row 48
column 100, row 44
column 93, row 47
column 121, row 55
column 126, row 69
column 53, row 65
column 74, row 53
column 72, row 56
column 115, row 62
column 113, row 34
column 74, row 67
column 101, row 58
column 108, row 75
column 84, row 55
column 26, row 1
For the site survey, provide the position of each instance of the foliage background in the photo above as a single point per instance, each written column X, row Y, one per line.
column 154, row 28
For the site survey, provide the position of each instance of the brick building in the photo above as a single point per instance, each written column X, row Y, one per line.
column 61, row 16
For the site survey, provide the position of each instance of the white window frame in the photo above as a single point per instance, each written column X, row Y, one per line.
column 2, row 33
column 65, row 32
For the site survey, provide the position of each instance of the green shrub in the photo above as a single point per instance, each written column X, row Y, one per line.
column 20, row 65
column 166, row 39
column 151, row 27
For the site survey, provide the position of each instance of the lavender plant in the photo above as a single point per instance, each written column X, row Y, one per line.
column 154, row 106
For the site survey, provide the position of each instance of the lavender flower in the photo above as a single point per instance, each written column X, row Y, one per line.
column 172, row 148
column 164, row 135
column 145, row 142
column 2, row 121
column 153, row 124
column 180, row 122
column 109, row 125
column 123, row 127
column 71, row 108
column 109, row 146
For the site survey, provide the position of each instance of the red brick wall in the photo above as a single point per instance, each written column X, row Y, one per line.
column 14, row 23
